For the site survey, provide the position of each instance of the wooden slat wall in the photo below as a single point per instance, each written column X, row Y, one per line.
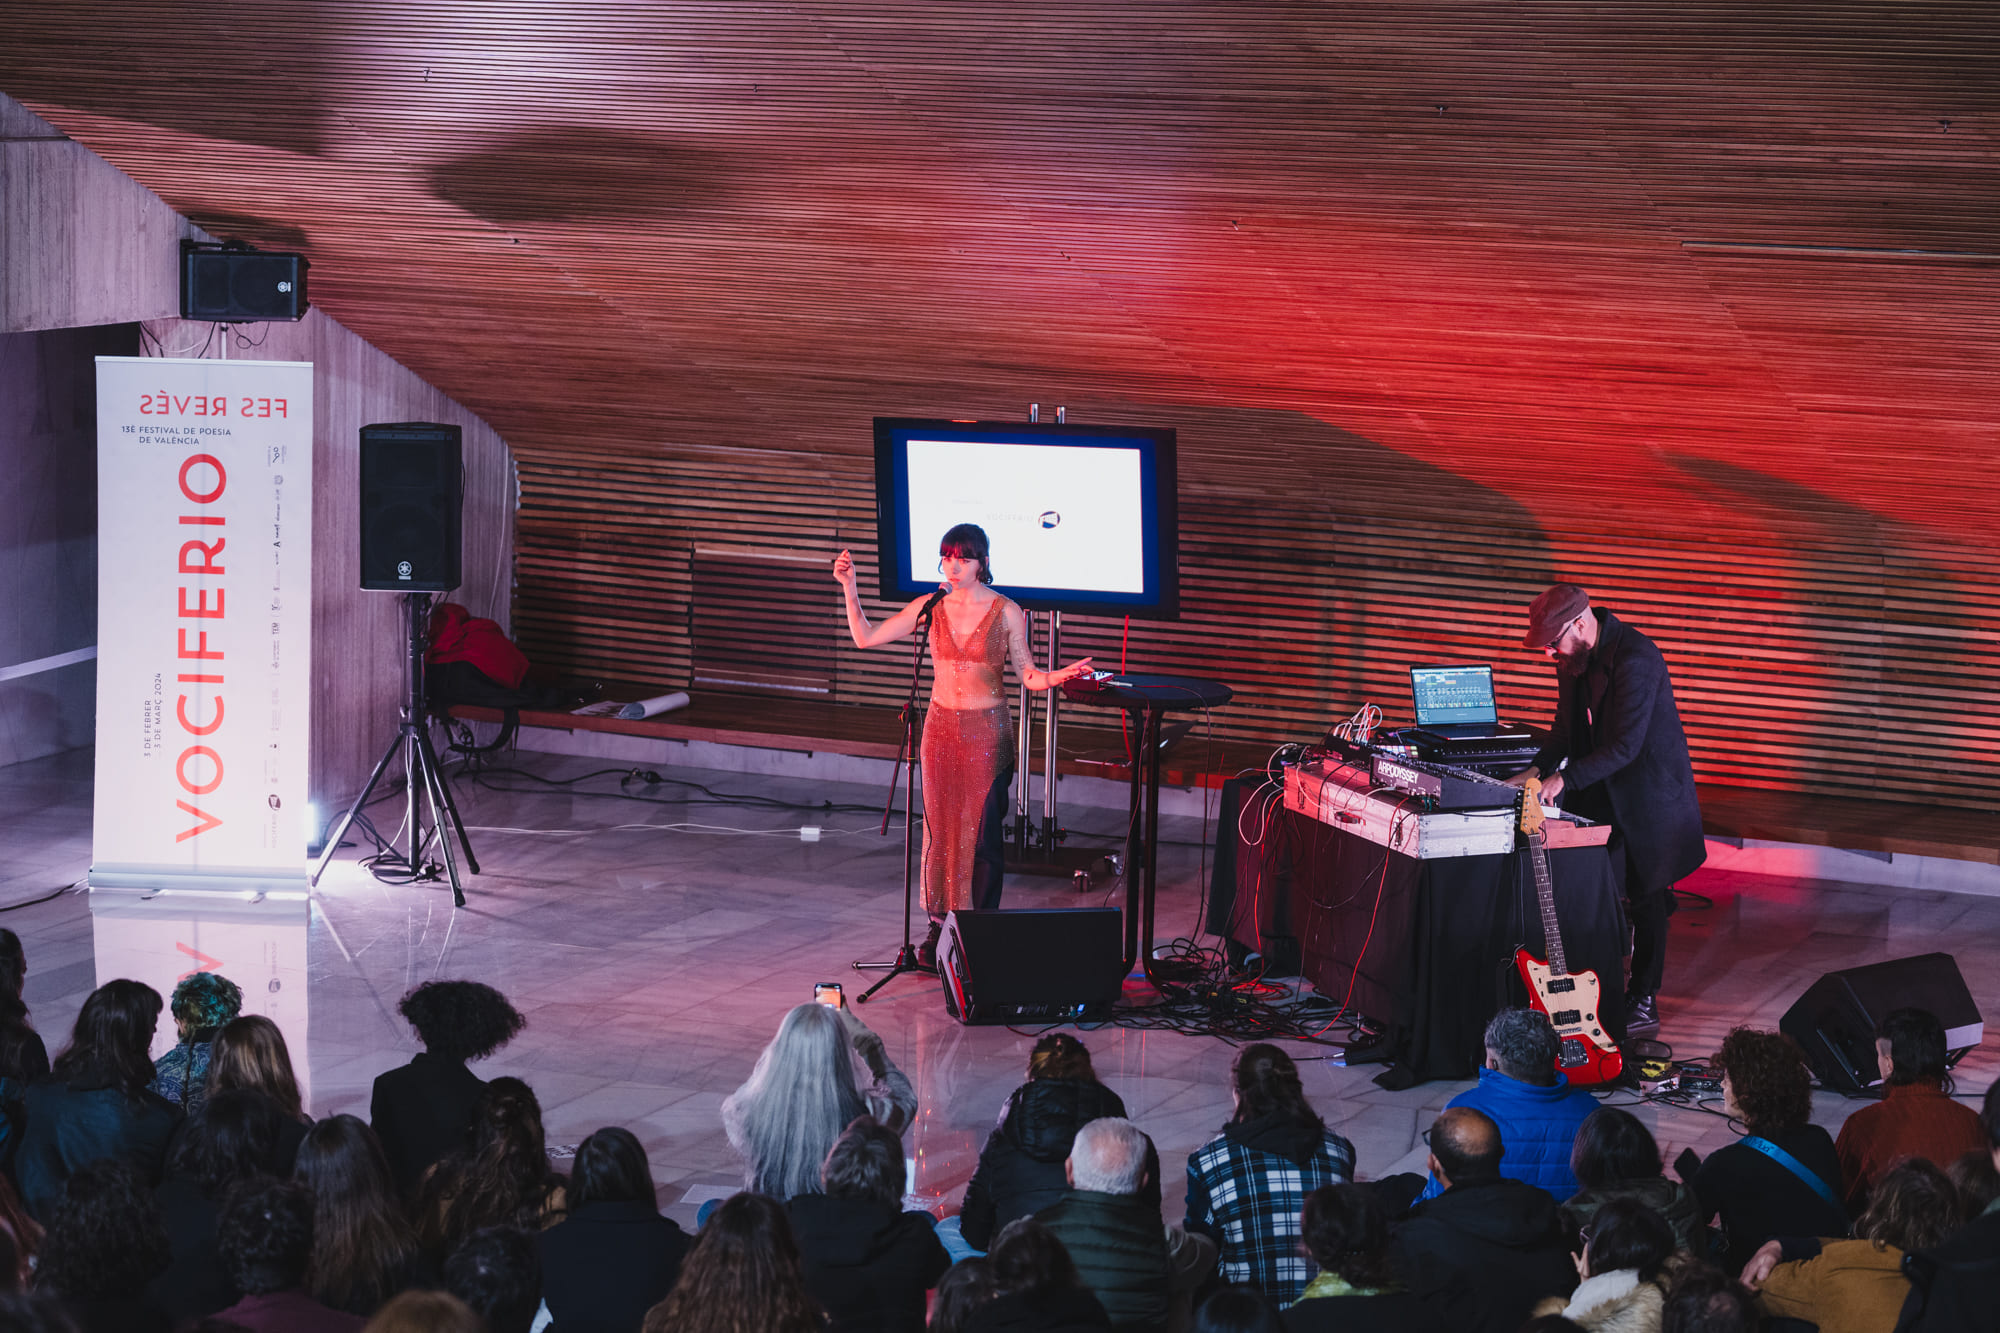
column 64, row 266
column 1692, row 301
column 1858, row 667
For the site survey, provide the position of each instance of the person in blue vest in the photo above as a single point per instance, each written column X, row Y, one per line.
column 1522, row 1092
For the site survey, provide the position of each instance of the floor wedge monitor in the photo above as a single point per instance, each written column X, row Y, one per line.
column 1835, row 1020
column 1032, row 966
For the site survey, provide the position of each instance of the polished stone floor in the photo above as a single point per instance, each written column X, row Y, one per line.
column 653, row 963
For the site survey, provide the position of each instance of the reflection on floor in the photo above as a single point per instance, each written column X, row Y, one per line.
column 654, row 964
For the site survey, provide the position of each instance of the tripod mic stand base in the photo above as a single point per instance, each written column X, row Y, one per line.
column 906, row 964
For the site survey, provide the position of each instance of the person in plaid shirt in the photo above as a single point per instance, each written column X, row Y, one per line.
column 1245, row 1188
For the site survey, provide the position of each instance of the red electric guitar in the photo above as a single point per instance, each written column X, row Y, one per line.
column 1588, row 1055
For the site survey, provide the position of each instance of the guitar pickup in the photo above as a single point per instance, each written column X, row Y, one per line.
column 1566, row 1018
column 1561, row 985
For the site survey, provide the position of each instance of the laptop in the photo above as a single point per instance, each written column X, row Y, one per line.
column 1455, row 703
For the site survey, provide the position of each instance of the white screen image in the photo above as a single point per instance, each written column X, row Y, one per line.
column 1057, row 517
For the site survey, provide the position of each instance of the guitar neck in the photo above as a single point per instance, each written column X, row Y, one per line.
column 1545, row 892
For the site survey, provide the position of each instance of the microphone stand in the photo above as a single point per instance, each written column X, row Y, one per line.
column 906, row 957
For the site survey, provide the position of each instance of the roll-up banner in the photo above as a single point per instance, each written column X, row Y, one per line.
column 204, row 616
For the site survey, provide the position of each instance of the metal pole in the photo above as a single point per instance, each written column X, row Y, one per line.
column 1049, row 736
column 1023, row 751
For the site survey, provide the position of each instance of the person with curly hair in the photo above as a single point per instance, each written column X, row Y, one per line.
column 1346, row 1232
column 421, row 1111
column 364, row 1248
column 1857, row 1286
column 1020, row 1169
column 1782, row 1178
column 743, row 1276
column 501, row 1177
column 201, row 1004
column 1246, row 1187
column 266, row 1241
column 96, row 1100
column 106, row 1241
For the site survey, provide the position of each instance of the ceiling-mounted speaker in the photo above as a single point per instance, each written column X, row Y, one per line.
column 236, row 285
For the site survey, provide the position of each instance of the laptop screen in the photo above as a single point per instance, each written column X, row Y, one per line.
column 1452, row 694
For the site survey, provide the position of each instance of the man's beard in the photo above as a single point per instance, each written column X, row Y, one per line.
column 1571, row 665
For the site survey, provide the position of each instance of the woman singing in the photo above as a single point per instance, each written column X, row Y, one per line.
column 968, row 745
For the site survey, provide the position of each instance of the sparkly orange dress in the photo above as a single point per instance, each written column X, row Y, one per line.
column 968, row 754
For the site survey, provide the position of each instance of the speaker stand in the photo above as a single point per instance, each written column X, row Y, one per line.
column 420, row 764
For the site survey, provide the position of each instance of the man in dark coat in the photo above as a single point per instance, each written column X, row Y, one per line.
column 1021, row 1167
column 1617, row 725
column 1482, row 1253
column 1115, row 1237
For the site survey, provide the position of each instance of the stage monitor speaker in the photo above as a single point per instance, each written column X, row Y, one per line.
column 1032, row 966
column 410, row 507
column 242, row 286
column 1835, row 1020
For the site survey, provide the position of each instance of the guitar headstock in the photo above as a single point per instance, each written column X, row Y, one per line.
column 1531, row 807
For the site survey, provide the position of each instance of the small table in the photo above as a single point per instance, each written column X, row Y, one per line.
column 1148, row 698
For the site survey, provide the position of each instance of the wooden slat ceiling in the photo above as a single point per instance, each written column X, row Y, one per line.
column 1693, row 302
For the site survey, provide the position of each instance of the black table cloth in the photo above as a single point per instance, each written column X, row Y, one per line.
column 1423, row 947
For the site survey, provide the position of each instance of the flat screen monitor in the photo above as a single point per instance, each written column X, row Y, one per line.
column 1079, row 518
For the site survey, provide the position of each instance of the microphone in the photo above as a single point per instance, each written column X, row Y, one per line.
column 931, row 605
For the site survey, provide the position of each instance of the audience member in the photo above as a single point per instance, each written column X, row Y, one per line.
column 966, row 1286
column 21, row 1235
column 105, row 1244
column 1616, row 1157
column 230, row 1139
column 866, row 1261
column 614, row 1257
column 34, row 1312
column 1914, row 1118
column 364, row 1248
column 1238, row 1310
column 500, row 1178
column 1245, row 1189
column 1704, row 1299
column 1625, row 1264
column 1553, row 1323
column 1522, row 1092
column 1758, row 1192
column 266, row 1242
column 1488, row 1247
column 250, row 1052
column 1112, row 1234
column 1976, row 1178
column 1020, row 1169
column 95, row 1101
column 1036, row 1287
column 201, row 1004
column 22, row 1054
column 426, row 1312
column 420, row 1111
column 742, row 1276
column 1857, row 1286
column 1955, row 1285
column 497, row 1272
column 802, row 1094
column 1355, row 1290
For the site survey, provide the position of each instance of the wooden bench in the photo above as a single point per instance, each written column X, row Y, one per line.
column 1195, row 761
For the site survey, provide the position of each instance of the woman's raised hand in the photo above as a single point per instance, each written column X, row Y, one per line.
column 843, row 570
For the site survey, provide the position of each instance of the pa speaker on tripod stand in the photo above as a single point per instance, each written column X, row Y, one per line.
column 410, row 511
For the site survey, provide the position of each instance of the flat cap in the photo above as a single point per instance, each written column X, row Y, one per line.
column 1555, row 608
